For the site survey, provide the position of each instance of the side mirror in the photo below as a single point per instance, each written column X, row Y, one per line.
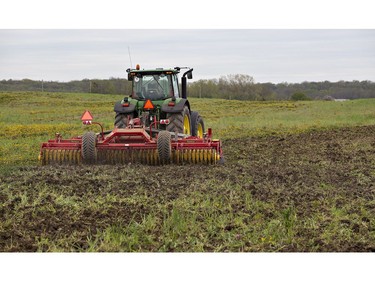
column 130, row 77
column 189, row 73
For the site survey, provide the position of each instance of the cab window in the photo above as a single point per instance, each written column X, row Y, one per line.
column 154, row 87
column 175, row 86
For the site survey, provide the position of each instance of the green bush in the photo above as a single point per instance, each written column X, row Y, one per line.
column 299, row 96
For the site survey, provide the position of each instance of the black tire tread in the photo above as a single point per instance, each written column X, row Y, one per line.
column 89, row 153
column 164, row 147
column 195, row 120
column 176, row 121
column 121, row 120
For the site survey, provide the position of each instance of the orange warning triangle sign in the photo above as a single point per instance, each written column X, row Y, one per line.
column 86, row 116
column 148, row 105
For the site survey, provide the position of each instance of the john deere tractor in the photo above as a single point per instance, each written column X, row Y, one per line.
column 156, row 94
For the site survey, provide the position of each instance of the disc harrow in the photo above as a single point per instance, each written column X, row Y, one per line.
column 124, row 146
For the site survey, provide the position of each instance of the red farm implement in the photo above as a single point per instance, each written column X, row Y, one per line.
column 133, row 144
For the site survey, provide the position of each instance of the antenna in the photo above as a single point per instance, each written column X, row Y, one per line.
column 131, row 64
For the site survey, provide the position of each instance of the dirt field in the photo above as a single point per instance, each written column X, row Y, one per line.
column 309, row 192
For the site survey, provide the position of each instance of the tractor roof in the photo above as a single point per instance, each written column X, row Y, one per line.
column 155, row 71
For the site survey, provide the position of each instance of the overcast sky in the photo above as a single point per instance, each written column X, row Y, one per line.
column 269, row 55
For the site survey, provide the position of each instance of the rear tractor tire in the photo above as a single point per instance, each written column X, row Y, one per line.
column 164, row 147
column 197, row 125
column 122, row 120
column 89, row 152
column 180, row 122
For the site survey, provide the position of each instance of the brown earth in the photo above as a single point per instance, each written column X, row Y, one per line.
column 315, row 173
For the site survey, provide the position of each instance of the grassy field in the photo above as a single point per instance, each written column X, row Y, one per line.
column 27, row 119
column 299, row 177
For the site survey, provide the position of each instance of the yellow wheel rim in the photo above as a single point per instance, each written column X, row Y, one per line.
column 200, row 131
column 187, row 125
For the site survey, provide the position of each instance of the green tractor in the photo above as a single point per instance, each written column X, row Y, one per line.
column 156, row 94
column 154, row 125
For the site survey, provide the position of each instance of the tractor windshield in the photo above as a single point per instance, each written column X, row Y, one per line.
column 153, row 87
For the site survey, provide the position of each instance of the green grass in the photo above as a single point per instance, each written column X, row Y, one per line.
column 233, row 119
column 29, row 118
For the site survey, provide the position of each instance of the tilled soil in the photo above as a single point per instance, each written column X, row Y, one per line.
column 327, row 179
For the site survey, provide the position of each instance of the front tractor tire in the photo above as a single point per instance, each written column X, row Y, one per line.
column 122, row 120
column 197, row 125
column 89, row 152
column 180, row 122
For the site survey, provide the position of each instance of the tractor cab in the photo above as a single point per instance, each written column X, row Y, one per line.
column 156, row 84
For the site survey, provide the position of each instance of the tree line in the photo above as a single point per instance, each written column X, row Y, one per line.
column 99, row 86
column 243, row 87
column 232, row 86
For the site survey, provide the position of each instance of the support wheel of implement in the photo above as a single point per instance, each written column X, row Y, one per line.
column 89, row 153
column 164, row 147
column 179, row 122
column 122, row 120
column 197, row 125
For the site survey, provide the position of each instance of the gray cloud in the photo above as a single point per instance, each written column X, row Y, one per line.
column 267, row 55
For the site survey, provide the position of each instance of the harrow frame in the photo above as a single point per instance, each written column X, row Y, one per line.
column 132, row 144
